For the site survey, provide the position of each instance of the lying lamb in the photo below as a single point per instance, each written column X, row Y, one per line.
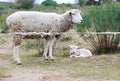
column 34, row 21
column 76, row 51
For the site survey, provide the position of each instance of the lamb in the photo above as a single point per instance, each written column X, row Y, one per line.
column 51, row 24
column 76, row 51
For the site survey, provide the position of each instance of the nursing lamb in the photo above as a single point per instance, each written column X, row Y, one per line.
column 34, row 21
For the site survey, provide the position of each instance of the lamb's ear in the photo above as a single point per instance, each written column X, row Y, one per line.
column 78, row 47
column 67, row 46
column 70, row 13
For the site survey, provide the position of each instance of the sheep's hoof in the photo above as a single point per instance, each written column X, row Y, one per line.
column 20, row 63
column 52, row 58
column 46, row 59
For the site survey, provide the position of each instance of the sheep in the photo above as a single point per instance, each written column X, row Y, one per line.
column 35, row 21
column 76, row 51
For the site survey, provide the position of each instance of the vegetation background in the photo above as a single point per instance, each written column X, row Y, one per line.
column 92, row 14
column 103, row 16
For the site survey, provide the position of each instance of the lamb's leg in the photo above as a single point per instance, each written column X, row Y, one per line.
column 50, row 48
column 16, row 42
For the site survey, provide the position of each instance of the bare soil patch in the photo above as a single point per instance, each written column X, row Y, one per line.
column 34, row 75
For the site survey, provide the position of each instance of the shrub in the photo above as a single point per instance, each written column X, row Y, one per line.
column 104, row 18
column 2, row 7
column 118, row 0
column 41, row 7
column 6, row 6
column 4, row 28
column 25, row 4
column 81, row 2
column 49, row 3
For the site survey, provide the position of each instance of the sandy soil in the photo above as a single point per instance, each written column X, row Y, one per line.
column 34, row 75
column 26, row 74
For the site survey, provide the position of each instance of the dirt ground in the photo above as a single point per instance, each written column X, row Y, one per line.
column 34, row 75
column 27, row 74
column 42, row 75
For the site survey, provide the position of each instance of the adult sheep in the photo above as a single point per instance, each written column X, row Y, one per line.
column 34, row 21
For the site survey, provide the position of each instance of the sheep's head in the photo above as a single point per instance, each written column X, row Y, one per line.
column 74, row 16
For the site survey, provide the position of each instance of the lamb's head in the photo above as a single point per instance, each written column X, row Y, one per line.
column 73, row 49
column 74, row 16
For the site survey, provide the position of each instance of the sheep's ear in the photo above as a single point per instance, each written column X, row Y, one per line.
column 69, row 16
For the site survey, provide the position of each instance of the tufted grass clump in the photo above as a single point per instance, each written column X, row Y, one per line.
column 104, row 18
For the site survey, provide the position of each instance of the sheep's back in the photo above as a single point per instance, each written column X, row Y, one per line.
column 29, row 21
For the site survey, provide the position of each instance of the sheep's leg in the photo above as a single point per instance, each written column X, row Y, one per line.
column 16, row 55
column 46, row 49
column 50, row 48
column 16, row 42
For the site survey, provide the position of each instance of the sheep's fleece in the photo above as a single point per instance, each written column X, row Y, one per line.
column 34, row 21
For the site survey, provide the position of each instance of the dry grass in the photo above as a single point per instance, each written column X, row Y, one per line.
column 100, row 67
column 96, row 68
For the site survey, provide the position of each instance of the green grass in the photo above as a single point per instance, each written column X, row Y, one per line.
column 99, row 69
column 105, row 66
column 3, row 71
column 4, row 38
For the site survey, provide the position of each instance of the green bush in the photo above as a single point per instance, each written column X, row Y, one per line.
column 60, row 8
column 49, row 3
column 41, row 7
column 104, row 18
column 2, row 7
column 118, row 0
column 6, row 6
column 4, row 28
column 25, row 4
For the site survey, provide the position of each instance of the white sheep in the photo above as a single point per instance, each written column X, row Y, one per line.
column 76, row 51
column 34, row 21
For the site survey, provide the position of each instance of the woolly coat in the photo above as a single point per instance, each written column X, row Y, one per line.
column 32, row 21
